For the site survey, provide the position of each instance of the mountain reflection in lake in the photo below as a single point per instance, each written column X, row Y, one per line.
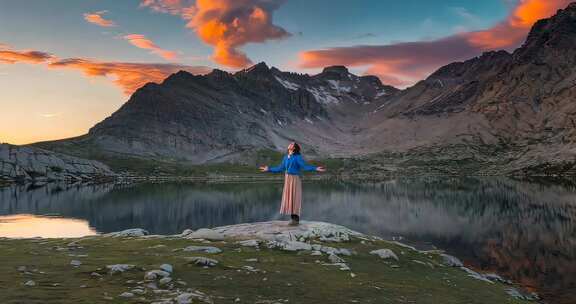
column 525, row 231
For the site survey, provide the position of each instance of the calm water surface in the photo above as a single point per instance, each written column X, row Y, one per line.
column 524, row 231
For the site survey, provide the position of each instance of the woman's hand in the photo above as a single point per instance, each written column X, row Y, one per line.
column 263, row 168
column 320, row 169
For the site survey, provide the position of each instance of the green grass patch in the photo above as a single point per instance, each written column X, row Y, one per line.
column 297, row 277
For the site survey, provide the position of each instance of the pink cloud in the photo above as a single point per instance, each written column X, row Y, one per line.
column 129, row 76
column 403, row 64
column 142, row 42
column 227, row 25
column 96, row 18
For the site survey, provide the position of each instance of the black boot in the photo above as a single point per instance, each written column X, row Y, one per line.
column 295, row 220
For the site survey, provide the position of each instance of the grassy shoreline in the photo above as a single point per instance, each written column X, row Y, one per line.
column 242, row 275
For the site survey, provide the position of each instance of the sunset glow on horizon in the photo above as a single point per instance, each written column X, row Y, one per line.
column 30, row 226
column 66, row 66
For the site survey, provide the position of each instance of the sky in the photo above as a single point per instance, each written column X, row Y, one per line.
column 66, row 65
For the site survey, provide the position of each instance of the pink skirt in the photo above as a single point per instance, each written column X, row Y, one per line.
column 291, row 195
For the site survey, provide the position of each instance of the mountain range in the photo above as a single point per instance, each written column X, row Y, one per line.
column 498, row 113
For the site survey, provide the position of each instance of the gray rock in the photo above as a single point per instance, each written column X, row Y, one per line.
column 75, row 263
column 118, row 268
column 249, row 243
column 204, row 249
column 165, row 281
column 30, row 283
column 451, row 261
column 335, row 259
column 126, row 295
column 167, row 267
column 205, row 233
column 41, row 166
column 202, row 261
column 385, row 254
column 134, row 232
column 156, row 274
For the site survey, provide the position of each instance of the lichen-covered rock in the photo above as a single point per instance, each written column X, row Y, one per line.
column 385, row 254
column 134, row 232
column 204, row 249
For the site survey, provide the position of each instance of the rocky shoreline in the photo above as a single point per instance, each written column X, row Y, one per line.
column 37, row 166
column 266, row 262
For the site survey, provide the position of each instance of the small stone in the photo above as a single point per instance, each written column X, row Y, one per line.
column 254, row 260
column 156, row 274
column 21, row 268
column 95, row 274
column 249, row 243
column 119, row 268
column 353, row 275
column 167, row 268
column 187, row 298
column 204, row 249
column 75, row 263
column 165, row 281
column 138, row 291
column 202, row 261
column 126, row 295
column 30, row 283
column 385, row 254
column 335, row 259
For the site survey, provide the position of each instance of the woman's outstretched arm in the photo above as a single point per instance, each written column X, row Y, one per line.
column 304, row 165
column 277, row 169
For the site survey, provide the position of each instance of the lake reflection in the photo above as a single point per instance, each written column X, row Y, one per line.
column 525, row 231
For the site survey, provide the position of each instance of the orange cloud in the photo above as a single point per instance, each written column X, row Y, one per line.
column 9, row 57
column 403, row 64
column 96, row 18
column 128, row 76
column 142, row 42
column 510, row 32
column 226, row 24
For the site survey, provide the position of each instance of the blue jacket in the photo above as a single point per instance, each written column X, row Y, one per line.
column 292, row 165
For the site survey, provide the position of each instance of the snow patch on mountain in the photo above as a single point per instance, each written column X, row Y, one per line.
column 287, row 84
column 323, row 96
column 339, row 87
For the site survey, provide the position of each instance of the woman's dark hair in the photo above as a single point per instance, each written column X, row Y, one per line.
column 296, row 148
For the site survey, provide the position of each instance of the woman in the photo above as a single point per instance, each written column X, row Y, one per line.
column 291, row 164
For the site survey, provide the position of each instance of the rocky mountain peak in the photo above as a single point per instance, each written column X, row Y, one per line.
column 258, row 68
column 335, row 72
column 550, row 36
